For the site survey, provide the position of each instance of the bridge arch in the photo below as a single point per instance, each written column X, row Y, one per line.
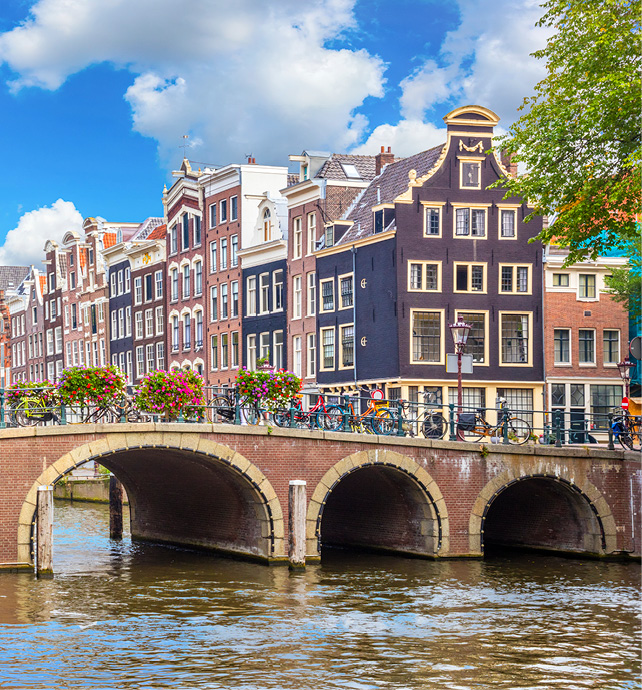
column 543, row 510
column 177, row 490
column 412, row 520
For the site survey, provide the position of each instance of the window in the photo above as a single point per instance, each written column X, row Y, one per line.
column 214, row 303
column 174, row 333
column 174, row 284
column 426, row 336
column 603, row 399
column 251, row 296
column 432, row 226
column 198, row 278
column 587, row 286
column 587, row 346
column 264, row 345
column 159, row 321
column 267, row 225
column 312, row 232
column 234, row 249
column 562, row 346
column 251, row 352
column 138, row 290
column 114, row 325
column 198, row 317
column 423, row 276
column 128, row 279
column 150, row 359
column 112, row 285
column 224, row 351
column 476, row 343
column 312, row 354
column 235, row 349
column 138, row 324
column 297, row 239
column 345, row 288
column 470, row 277
column 235, row 299
column 277, row 287
column 158, row 276
column 173, row 240
column 197, row 231
column 213, row 351
column 378, row 221
column 277, row 358
column 128, row 321
column 347, row 346
column 327, row 295
column 224, row 302
column 186, row 281
column 160, row 356
column 264, row 293
column 296, row 297
column 296, row 356
column 470, row 174
column 140, row 360
column 611, row 343
column 507, row 223
column 234, row 208
column 149, row 294
column 519, row 402
column 514, row 279
column 514, row 330
column 470, row 222
column 327, row 344
column 560, row 279
column 312, row 293
column 223, row 253
column 329, row 236
column 187, row 331
column 223, row 211
column 558, row 395
column 185, row 232
column 212, row 215
column 577, row 395
column 121, row 282
column 149, row 323
column 213, row 264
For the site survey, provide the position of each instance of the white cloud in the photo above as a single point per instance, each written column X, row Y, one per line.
column 24, row 244
column 485, row 61
column 405, row 139
column 242, row 77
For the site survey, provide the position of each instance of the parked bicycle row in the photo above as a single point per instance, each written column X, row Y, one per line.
column 357, row 414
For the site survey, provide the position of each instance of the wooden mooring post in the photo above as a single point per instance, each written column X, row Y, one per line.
column 297, row 506
column 44, row 532
column 115, row 508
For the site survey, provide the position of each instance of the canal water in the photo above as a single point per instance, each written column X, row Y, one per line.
column 123, row 615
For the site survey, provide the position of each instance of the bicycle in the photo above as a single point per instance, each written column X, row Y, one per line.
column 32, row 410
column 431, row 421
column 473, row 427
column 319, row 416
column 627, row 429
column 222, row 409
column 376, row 419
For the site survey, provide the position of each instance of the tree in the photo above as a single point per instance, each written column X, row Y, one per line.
column 625, row 284
column 579, row 136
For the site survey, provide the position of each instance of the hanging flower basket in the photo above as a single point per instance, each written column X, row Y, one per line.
column 101, row 386
column 171, row 393
column 43, row 390
column 270, row 389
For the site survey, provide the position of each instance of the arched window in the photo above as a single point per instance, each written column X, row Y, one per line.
column 266, row 225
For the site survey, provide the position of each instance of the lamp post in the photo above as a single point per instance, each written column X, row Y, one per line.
column 459, row 331
column 625, row 368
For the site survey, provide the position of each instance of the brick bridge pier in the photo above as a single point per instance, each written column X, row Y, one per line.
column 225, row 488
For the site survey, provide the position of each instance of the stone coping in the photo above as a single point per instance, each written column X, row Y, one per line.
column 588, row 451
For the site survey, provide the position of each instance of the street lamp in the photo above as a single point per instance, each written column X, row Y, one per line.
column 625, row 368
column 459, row 331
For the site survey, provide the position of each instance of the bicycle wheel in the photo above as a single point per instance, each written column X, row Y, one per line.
column 434, row 425
column 220, row 410
column 384, row 423
column 250, row 413
column 519, row 431
column 27, row 412
column 332, row 419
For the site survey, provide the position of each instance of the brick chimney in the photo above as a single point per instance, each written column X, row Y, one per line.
column 383, row 158
column 507, row 162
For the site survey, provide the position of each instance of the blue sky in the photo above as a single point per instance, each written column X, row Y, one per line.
column 95, row 95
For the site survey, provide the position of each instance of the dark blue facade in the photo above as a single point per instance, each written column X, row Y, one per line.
column 120, row 341
column 267, row 326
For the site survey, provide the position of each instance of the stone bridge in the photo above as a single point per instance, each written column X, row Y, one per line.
column 225, row 488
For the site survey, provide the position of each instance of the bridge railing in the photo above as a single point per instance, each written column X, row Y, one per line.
column 425, row 418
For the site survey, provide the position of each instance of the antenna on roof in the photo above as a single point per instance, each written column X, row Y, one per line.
column 184, row 145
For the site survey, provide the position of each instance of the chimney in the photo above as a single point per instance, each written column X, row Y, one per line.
column 383, row 158
column 507, row 162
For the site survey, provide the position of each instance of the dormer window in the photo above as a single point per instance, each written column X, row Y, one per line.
column 266, row 225
column 350, row 171
column 329, row 236
column 470, row 175
column 378, row 221
column 119, row 236
column 304, row 171
column 71, row 259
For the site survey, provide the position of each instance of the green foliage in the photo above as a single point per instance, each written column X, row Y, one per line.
column 579, row 136
column 270, row 389
column 100, row 386
column 625, row 284
column 170, row 393
column 45, row 390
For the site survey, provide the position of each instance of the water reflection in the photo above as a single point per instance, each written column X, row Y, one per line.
column 128, row 615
